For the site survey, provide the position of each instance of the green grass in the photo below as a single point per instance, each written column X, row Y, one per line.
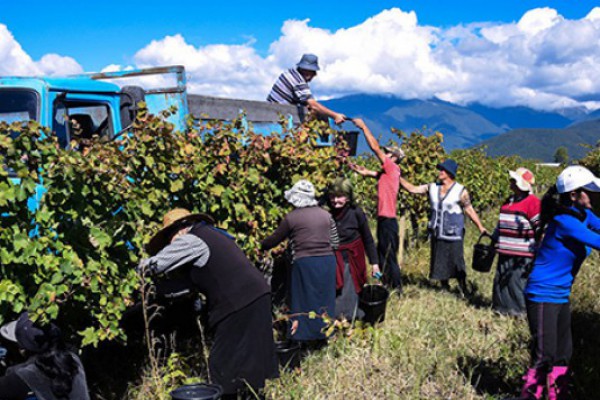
column 436, row 345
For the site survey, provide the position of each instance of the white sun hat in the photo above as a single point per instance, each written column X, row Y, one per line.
column 577, row 177
column 302, row 194
column 523, row 179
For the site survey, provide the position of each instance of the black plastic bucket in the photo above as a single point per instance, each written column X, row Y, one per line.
column 351, row 138
column 483, row 255
column 288, row 353
column 200, row 391
column 373, row 300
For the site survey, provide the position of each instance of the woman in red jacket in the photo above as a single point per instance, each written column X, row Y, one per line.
column 515, row 237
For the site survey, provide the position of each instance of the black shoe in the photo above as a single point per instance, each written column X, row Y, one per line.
column 463, row 289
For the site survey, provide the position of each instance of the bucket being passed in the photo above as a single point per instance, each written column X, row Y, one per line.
column 373, row 300
column 200, row 391
column 351, row 138
column 483, row 255
column 288, row 353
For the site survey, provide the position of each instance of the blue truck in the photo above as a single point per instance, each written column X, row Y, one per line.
column 104, row 104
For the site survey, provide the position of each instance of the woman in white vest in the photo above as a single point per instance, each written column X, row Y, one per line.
column 449, row 201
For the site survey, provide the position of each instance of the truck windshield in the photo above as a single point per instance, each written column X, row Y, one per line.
column 17, row 105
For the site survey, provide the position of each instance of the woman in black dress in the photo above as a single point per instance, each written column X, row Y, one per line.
column 242, row 355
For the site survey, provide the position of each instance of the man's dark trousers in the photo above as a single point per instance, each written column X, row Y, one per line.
column 387, row 247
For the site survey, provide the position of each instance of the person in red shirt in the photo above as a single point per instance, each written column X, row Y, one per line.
column 388, row 183
column 516, row 244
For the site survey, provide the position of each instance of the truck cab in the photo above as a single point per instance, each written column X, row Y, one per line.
column 49, row 101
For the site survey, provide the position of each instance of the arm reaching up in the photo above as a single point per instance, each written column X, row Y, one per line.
column 371, row 141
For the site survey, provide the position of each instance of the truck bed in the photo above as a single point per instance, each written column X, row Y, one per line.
column 208, row 107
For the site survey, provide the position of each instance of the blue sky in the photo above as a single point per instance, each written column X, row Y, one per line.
column 541, row 54
column 114, row 30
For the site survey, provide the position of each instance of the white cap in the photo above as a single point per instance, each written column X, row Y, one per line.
column 577, row 177
column 523, row 179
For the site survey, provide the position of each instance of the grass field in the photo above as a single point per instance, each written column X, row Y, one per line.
column 436, row 345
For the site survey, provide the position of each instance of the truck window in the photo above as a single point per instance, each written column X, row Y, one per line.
column 76, row 123
column 18, row 105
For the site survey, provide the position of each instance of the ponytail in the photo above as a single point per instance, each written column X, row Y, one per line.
column 553, row 204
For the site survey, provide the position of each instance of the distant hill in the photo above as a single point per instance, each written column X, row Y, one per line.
column 541, row 144
column 521, row 117
column 462, row 126
column 591, row 116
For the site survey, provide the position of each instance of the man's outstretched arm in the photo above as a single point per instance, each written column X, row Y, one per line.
column 371, row 141
column 321, row 109
column 422, row 189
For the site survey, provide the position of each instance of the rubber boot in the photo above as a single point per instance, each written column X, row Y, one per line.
column 535, row 380
column 558, row 384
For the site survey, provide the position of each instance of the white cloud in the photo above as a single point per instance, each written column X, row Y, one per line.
column 15, row 61
column 543, row 60
column 225, row 70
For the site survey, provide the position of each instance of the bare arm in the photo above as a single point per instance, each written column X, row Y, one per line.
column 422, row 189
column 371, row 141
column 363, row 171
column 465, row 202
column 321, row 109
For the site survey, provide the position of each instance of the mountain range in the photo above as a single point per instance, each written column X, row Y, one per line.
column 504, row 131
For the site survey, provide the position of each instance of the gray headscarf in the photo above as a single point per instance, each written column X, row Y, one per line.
column 302, row 194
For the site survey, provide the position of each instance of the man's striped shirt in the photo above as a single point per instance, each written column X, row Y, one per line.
column 290, row 88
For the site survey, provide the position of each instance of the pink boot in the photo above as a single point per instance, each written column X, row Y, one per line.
column 533, row 388
column 558, row 384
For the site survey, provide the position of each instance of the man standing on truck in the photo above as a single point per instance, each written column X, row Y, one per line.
column 292, row 88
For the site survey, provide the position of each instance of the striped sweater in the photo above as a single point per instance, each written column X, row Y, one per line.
column 515, row 231
column 290, row 88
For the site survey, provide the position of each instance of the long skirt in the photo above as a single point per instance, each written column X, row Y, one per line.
column 243, row 352
column 312, row 290
column 447, row 260
column 346, row 301
column 509, row 284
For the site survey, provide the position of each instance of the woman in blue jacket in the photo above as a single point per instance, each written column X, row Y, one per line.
column 572, row 230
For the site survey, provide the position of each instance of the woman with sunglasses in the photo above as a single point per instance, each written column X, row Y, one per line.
column 570, row 230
